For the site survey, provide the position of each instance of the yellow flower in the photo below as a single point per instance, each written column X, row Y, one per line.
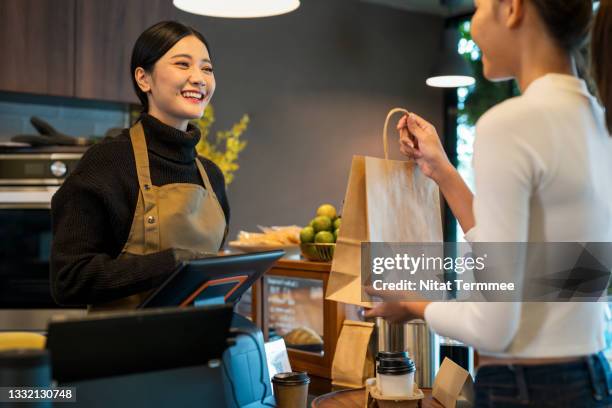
column 224, row 151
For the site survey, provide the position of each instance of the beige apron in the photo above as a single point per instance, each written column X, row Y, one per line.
column 179, row 215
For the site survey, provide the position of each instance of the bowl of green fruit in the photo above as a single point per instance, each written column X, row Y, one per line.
column 318, row 238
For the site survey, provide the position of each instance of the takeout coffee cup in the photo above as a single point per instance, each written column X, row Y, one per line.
column 291, row 389
column 25, row 368
column 396, row 376
column 388, row 354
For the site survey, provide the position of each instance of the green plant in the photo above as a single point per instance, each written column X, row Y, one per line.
column 226, row 146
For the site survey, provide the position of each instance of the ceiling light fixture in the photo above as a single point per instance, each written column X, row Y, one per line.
column 237, row 8
column 451, row 69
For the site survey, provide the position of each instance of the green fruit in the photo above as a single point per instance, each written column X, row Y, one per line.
column 310, row 224
column 324, row 237
column 337, row 222
column 311, row 252
column 327, row 210
column 307, row 234
column 336, row 235
column 322, row 223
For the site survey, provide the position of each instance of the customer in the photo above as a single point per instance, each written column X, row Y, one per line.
column 542, row 164
column 140, row 203
column 601, row 57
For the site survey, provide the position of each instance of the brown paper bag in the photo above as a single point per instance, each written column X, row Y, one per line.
column 385, row 201
column 451, row 382
column 353, row 363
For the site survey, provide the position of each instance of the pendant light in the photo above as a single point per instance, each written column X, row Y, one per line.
column 237, row 8
column 451, row 69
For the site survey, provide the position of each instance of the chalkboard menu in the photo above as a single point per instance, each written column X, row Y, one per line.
column 295, row 311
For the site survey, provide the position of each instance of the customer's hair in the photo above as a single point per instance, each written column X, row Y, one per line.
column 152, row 44
column 568, row 23
column 601, row 57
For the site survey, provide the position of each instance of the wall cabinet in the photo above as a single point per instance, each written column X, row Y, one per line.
column 37, row 46
column 74, row 48
column 105, row 34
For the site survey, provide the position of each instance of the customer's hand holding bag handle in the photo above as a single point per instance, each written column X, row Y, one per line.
column 419, row 141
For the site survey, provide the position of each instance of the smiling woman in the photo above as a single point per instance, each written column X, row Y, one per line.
column 175, row 81
column 139, row 204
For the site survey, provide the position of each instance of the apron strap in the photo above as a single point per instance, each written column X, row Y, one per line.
column 205, row 178
column 149, row 194
column 211, row 192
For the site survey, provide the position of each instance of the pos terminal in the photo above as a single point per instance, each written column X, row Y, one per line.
column 165, row 352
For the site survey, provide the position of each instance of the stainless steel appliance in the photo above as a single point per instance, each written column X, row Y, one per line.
column 416, row 338
column 426, row 348
column 28, row 179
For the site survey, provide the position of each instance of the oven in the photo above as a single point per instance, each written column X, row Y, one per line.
column 28, row 180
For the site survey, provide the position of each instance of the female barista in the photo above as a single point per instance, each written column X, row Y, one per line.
column 138, row 204
column 542, row 164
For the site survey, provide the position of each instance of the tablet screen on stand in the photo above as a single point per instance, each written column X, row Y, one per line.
column 214, row 280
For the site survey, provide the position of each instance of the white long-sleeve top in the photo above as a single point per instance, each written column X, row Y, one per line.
column 543, row 173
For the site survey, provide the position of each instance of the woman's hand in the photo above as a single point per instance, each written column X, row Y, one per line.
column 397, row 312
column 420, row 142
column 392, row 308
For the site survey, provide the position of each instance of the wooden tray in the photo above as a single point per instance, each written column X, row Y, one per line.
column 356, row 399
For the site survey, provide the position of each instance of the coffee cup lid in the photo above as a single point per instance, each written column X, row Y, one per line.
column 396, row 366
column 391, row 354
column 291, row 378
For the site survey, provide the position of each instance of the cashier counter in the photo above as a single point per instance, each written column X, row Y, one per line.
column 240, row 379
column 166, row 353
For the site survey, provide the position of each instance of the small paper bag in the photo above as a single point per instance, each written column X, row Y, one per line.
column 353, row 363
column 451, row 382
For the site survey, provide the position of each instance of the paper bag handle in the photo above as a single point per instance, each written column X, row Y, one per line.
column 385, row 144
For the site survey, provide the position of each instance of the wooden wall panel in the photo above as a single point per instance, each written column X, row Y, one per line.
column 105, row 34
column 37, row 46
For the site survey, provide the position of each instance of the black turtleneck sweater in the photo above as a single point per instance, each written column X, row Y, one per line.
column 93, row 210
